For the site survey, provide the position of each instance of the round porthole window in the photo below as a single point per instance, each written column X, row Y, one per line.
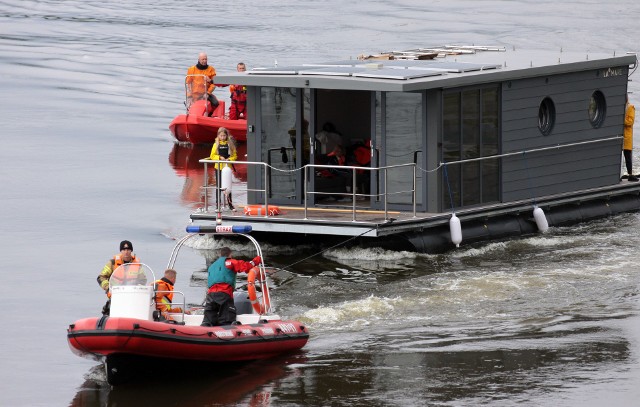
column 597, row 109
column 546, row 115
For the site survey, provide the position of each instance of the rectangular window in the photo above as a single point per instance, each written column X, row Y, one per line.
column 470, row 130
column 451, row 148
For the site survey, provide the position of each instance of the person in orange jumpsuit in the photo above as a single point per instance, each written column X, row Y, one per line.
column 164, row 294
column 200, row 81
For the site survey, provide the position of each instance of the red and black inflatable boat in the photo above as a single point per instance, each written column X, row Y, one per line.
column 132, row 338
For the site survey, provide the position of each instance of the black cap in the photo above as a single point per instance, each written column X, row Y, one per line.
column 125, row 244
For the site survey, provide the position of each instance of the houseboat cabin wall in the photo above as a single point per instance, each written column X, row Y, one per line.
column 575, row 98
column 442, row 125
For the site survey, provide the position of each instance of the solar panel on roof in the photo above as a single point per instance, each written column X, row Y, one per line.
column 394, row 73
column 453, row 67
column 285, row 70
column 459, row 67
column 339, row 64
column 328, row 70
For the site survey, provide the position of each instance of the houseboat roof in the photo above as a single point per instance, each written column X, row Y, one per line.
column 451, row 67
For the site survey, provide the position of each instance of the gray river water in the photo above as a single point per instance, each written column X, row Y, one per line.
column 88, row 90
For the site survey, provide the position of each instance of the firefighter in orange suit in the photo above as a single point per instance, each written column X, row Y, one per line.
column 164, row 294
column 126, row 256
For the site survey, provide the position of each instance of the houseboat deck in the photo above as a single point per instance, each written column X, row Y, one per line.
column 339, row 218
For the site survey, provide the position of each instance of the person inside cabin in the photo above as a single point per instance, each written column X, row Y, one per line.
column 329, row 138
column 220, row 308
column 126, row 256
column 200, row 81
column 627, row 143
column 238, row 108
column 334, row 179
column 337, row 157
column 164, row 295
column 224, row 149
column 359, row 155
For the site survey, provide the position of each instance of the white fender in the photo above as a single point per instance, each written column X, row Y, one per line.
column 456, row 230
column 225, row 178
column 541, row 219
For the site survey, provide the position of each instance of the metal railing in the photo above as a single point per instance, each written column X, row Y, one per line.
column 352, row 192
column 188, row 93
column 171, row 304
column 218, row 191
column 384, row 194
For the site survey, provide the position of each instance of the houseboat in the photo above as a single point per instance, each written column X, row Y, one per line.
column 443, row 146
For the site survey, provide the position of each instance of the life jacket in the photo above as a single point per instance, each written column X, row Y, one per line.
column 362, row 157
column 118, row 261
column 219, row 273
column 239, row 98
column 133, row 272
column 165, row 297
column 223, row 150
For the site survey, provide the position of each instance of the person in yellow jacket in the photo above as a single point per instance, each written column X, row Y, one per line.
column 224, row 149
column 164, row 294
column 627, row 144
column 200, row 81
column 126, row 256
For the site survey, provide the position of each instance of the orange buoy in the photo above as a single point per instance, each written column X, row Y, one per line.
column 261, row 210
column 262, row 305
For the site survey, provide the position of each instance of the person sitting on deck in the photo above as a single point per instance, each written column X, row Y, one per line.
column 220, row 308
column 164, row 294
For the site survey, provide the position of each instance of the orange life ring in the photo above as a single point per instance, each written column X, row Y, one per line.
column 260, row 210
column 262, row 305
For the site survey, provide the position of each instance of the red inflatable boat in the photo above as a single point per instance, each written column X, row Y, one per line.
column 197, row 127
column 132, row 339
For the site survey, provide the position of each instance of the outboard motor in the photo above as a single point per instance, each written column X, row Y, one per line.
column 243, row 304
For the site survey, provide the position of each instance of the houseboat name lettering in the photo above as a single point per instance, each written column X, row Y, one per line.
column 612, row 72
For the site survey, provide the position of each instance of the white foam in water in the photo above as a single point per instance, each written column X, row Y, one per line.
column 369, row 254
column 472, row 252
column 352, row 314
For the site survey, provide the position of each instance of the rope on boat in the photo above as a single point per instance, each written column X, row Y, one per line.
column 329, row 248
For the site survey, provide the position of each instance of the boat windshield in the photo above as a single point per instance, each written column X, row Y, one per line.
column 131, row 274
